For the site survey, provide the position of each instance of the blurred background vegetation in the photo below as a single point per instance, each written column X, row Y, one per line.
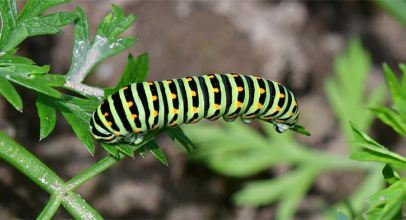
column 329, row 53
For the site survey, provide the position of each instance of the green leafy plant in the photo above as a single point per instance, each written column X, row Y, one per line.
column 240, row 151
column 388, row 202
column 86, row 55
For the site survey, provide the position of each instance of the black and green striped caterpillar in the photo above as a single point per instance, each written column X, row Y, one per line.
column 141, row 107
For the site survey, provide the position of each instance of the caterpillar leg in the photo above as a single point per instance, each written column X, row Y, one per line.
column 247, row 120
column 280, row 127
column 140, row 138
column 229, row 119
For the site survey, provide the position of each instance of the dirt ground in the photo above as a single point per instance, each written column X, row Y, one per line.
column 293, row 42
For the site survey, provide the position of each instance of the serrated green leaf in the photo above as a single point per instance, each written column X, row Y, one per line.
column 79, row 120
column 22, row 77
column 47, row 114
column 114, row 24
column 8, row 14
column 346, row 90
column 362, row 137
column 370, row 155
column 398, row 93
column 126, row 149
column 110, row 148
column 127, row 74
column 50, row 79
column 135, row 71
column 105, row 44
column 390, row 173
column 141, row 68
column 153, row 147
column 28, row 24
column 10, row 93
column 141, row 150
column 79, row 103
column 177, row 133
column 391, row 118
column 33, row 8
column 6, row 59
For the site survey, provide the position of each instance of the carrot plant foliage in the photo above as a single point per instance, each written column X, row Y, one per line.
column 86, row 54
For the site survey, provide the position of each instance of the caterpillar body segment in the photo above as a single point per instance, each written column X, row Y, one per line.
column 138, row 108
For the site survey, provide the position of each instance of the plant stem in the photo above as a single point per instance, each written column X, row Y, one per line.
column 93, row 171
column 78, row 208
column 50, row 208
column 28, row 164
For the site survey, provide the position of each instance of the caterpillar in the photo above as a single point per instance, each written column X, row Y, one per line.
column 133, row 111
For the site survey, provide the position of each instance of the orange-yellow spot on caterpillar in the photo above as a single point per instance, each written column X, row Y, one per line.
column 216, row 90
column 216, row 106
column 175, row 111
column 277, row 108
column 137, row 130
column 291, row 113
column 156, row 127
column 154, row 98
column 150, row 83
column 102, row 102
column 173, row 124
column 117, row 134
column 133, row 116
column 195, row 109
column 261, row 90
column 129, row 104
column 251, row 116
column 125, row 88
column 257, row 77
column 192, row 122
column 211, row 76
column 193, row 93
column 278, row 83
column 169, row 81
column 189, row 79
column 212, row 119
column 259, row 105
column 109, row 138
column 155, row 113
column 282, row 95
column 240, row 89
column 235, row 75
column 110, row 123
column 106, row 114
column 173, row 95
column 267, row 118
column 295, row 104
column 232, row 116
column 238, row 104
column 279, row 120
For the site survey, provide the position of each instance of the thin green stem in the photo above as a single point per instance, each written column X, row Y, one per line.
column 28, row 164
column 93, row 171
column 50, row 208
column 78, row 208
